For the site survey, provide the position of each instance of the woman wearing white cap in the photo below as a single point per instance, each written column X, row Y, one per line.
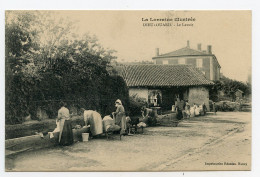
column 120, row 117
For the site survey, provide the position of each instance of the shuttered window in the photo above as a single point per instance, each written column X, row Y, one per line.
column 199, row 62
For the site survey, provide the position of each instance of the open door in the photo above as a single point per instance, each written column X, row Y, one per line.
column 168, row 98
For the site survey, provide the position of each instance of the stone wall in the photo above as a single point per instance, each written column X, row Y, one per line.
column 35, row 142
column 29, row 128
column 199, row 95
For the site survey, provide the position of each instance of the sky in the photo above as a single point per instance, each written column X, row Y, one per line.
column 229, row 33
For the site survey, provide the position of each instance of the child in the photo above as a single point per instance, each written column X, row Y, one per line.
column 128, row 126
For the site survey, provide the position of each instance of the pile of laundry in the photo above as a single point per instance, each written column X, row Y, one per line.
column 109, row 124
column 141, row 125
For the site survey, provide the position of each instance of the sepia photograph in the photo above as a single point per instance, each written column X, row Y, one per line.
column 128, row 90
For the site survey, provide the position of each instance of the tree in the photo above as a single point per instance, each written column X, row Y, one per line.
column 214, row 90
column 61, row 67
column 19, row 40
column 229, row 87
column 19, row 50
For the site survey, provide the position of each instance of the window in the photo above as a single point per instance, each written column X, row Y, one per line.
column 199, row 63
column 182, row 61
column 165, row 62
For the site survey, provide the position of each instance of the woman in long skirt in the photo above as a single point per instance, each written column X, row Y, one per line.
column 197, row 110
column 187, row 110
column 192, row 111
column 93, row 119
column 120, row 117
column 204, row 109
column 214, row 108
column 66, row 134
column 178, row 113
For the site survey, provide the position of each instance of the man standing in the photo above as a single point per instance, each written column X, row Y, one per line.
column 182, row 108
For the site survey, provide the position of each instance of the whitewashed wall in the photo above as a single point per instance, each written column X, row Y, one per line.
column 141, row 92
column 199, row 95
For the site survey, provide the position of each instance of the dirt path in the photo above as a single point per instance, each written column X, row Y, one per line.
column 231, row 151
column 225, row 137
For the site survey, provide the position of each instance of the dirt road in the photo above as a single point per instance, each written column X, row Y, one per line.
column 221, row 141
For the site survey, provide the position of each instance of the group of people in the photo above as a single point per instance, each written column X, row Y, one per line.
column 184, row 110
column 156, row 99
column 91, row 118
column 120, row 120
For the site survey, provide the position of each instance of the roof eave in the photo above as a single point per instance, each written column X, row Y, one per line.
column 217, row 61
column 182, row 56
column 170, row 85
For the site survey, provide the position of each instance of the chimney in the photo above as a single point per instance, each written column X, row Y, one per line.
column 209, row 49
column 156, row 52
column 199, row 47
column 188, row 44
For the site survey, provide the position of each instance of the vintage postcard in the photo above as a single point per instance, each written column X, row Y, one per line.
column 128, row 90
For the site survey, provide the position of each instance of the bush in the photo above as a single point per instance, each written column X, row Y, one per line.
column 115, row 88
column 135, row 105
column 23, row 97
column 227, row 106
column 151, row 121
column 228, row 87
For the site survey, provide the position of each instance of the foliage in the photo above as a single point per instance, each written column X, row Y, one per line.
column 136, row 104
column 41, row 73
column 152, row 121
column 227, row 106
column 20, row 47
column 229, row 87
column 115, row 88
column 214, row 90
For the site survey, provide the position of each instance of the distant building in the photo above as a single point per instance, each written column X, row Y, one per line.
column 205, row 61
column 166, row 82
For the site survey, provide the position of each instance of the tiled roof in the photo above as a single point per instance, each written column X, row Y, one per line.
column 162, row 75
column 186, row 51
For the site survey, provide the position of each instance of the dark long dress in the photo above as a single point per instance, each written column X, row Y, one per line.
column 67, row 134
column 204, row 109
column 179, row 113
column 158, row 100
